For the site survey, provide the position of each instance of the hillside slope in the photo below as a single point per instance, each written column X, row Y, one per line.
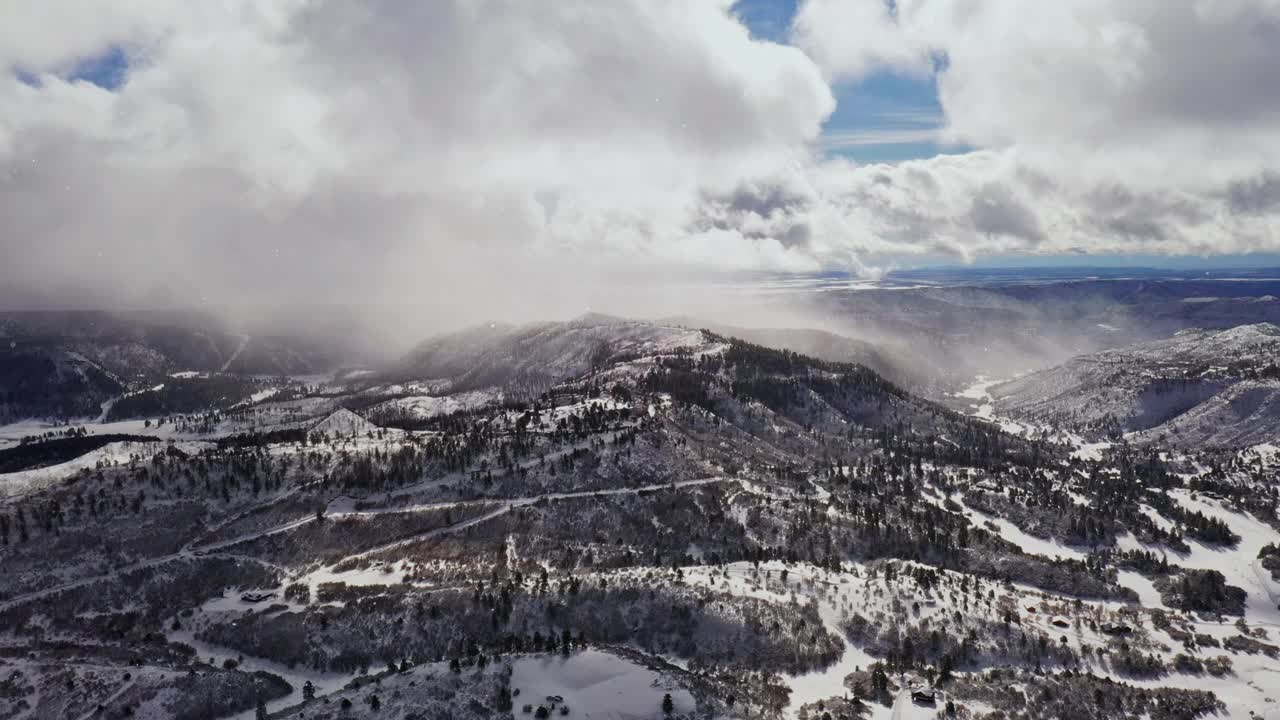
column 65, row 365
column 1193, row 379
column 533, row 357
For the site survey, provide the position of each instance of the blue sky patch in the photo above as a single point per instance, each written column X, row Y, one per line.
column 885, row 117
column 108, row 70
column 767, row 19
column 27, row 77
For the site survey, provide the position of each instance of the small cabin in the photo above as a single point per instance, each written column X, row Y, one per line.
column 1059, row 622
column 924, row 697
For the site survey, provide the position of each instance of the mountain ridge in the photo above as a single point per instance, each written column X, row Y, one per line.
column 1147, row 388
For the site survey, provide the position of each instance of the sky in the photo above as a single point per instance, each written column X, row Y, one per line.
column 886, row 116
column 467, row 157
column 889, row 116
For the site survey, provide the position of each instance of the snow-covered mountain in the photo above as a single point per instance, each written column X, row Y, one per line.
column 896, row 363
column 65, row 365
column 1198, row 387
column 612, row 516
column 533, row 357
column 50, row 382
column 1242, row 414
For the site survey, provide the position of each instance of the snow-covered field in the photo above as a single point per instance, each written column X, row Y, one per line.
column 595, row 684
column 422, row 407
column 116, row 453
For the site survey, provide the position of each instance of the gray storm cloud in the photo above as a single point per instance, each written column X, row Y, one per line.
column 455, row 154
column 455, row 160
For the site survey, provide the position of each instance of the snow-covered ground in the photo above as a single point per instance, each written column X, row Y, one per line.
column 343, row 422
column 1146, row 589
column 323, row 682
column 1090, row 450
column 983, row 405
column 832, row 592
column 25, row 481
column 595, row 684
column 1048, row 547
column 422, row 407
column 980, row 393
column 1240, row 565
column 548, row 418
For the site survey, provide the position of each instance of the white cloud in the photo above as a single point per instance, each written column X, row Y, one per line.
column 428, row 152
column 1137, row 126
column 853, row 38
column 397, row 150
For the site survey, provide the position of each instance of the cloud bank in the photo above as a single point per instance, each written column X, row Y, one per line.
column 458, row 157
column 1141, row 126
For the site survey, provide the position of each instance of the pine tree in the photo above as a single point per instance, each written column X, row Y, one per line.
column 668, row 706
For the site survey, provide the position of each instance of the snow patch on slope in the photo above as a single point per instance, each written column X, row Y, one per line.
column 344, row 422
